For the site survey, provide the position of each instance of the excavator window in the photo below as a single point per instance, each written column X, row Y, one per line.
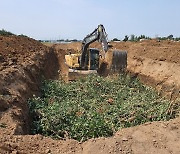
column 94, row 59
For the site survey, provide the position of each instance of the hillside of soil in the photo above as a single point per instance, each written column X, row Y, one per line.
column 24, row 63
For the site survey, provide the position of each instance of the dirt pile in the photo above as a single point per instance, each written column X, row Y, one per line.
column 156, row 63
column 23, row 62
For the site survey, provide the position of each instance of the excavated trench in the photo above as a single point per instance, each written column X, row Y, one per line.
column 26, row 81
column 18, row 84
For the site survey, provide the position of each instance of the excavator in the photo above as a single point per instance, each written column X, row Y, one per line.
column 93, row 60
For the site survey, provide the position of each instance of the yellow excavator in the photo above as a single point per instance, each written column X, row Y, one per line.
column 93, row 60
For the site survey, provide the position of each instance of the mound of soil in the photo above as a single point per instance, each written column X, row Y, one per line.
column 156, row 63
column 24, row 62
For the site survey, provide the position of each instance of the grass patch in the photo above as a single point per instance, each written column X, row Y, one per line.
column 95, row 106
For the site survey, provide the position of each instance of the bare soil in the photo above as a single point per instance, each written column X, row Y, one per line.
column 24, row 63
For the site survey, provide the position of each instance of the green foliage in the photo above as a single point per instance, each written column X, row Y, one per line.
column 95, row 106
column 115, row 39
column 3, row 125
column 134, row 38
column 170, row 37
column 22, row 35
column 5, row 33
column 177, row 39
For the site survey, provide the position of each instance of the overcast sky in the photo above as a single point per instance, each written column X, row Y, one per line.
column 74, row 19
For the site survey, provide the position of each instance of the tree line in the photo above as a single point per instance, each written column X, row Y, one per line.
column 134, row 38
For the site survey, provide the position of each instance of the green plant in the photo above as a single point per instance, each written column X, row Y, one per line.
column 5, row 33
column 22, row 35
column 115, row 39
column 3, row 125
column 95, row 106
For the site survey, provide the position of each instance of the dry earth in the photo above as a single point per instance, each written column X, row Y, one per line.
column 24, row 63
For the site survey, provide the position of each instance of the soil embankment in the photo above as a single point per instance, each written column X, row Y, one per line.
column 23, row 64
column 155, row 63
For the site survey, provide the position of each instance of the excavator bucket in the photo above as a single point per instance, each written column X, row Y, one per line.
column 119, row 62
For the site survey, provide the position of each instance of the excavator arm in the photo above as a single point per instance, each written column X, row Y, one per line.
column 99, row 34
column 104, row 60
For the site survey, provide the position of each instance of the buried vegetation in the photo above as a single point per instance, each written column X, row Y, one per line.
column 95, row 106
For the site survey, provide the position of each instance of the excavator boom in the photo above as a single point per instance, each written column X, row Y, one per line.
column 99, row 34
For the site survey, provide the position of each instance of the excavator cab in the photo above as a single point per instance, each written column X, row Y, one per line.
column 92, row 59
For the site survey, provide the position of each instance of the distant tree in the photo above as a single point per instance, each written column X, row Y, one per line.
column 162, row 38
column 138, row 38
column 60, row 40
column 141, row 37
column 115, row 39
column 22, row 35
column 177, row 39
column 148, row 38
column 74, row 40
column 5, row 33
column 67, row 40
column 169, row 37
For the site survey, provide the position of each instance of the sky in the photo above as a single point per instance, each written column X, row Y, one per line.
column 74, row 19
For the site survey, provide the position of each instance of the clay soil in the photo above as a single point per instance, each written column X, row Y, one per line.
column 24, row 63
